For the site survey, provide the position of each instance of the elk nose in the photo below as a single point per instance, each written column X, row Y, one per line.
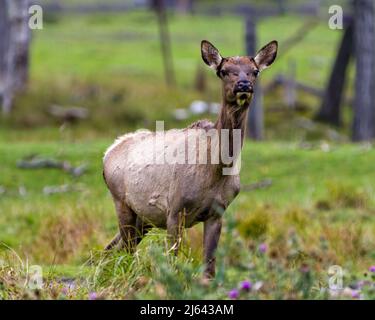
column 243, row 86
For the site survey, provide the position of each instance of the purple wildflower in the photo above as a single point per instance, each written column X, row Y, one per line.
column 356, row 294
column 263, row 248
column 233, row 294
column 93, row 296
column 246, row 285
column 372, row 268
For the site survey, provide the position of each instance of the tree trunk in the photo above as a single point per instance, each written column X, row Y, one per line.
column 290, row 87
column 255, row 118
column 4, row 34
column 20, row 38
column 165, row 41
column 14, row 50
column 330, row 109
column 4, row 47
column 364, row 102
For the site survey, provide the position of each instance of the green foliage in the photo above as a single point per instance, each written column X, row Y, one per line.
column 344, row 195
column 255, row 225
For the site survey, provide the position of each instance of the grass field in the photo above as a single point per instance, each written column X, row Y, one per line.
column 318, row 211
column 111, row 64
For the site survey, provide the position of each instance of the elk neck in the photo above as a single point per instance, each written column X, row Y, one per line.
column 232, row 117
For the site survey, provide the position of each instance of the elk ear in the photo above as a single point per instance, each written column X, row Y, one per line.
column 266, row 56
column 210, row 54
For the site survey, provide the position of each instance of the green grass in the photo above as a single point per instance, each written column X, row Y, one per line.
column 318, row 211
column 127, row 45
column 111, row 64
column 315, row 196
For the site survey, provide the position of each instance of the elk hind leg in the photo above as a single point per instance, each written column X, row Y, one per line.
column 141, row 229
column 175, row 224
column 127, row 224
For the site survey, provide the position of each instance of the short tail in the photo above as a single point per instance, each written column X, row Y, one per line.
column 113, row 242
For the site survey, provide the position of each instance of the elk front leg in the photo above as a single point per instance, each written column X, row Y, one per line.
column 211, row 236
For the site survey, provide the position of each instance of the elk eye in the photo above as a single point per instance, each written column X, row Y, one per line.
column 223, row 73
column 255, row 73
column 235, row 74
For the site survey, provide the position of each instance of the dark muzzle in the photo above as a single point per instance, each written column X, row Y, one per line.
column 243, row 86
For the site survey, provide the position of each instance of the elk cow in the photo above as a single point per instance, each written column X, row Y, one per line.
column 149, row 191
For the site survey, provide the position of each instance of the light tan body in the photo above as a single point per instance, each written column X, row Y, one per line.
column 149, row 192
column 152, row 191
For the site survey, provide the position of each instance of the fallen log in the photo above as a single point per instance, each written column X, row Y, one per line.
column 48, row 190
column 68, row 114
column 36, row 162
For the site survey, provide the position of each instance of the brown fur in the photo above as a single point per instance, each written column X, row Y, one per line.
column 175, row 195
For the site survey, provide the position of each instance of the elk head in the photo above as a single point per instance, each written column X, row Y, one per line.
column 238, row 73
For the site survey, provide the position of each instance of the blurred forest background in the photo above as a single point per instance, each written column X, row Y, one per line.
column 99, row 69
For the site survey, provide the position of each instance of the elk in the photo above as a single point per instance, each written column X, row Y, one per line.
column 176, row 195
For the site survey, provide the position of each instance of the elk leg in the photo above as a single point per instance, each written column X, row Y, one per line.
column 211, row 236
column 141, row 228
column 174, row 228
column 127, row 225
